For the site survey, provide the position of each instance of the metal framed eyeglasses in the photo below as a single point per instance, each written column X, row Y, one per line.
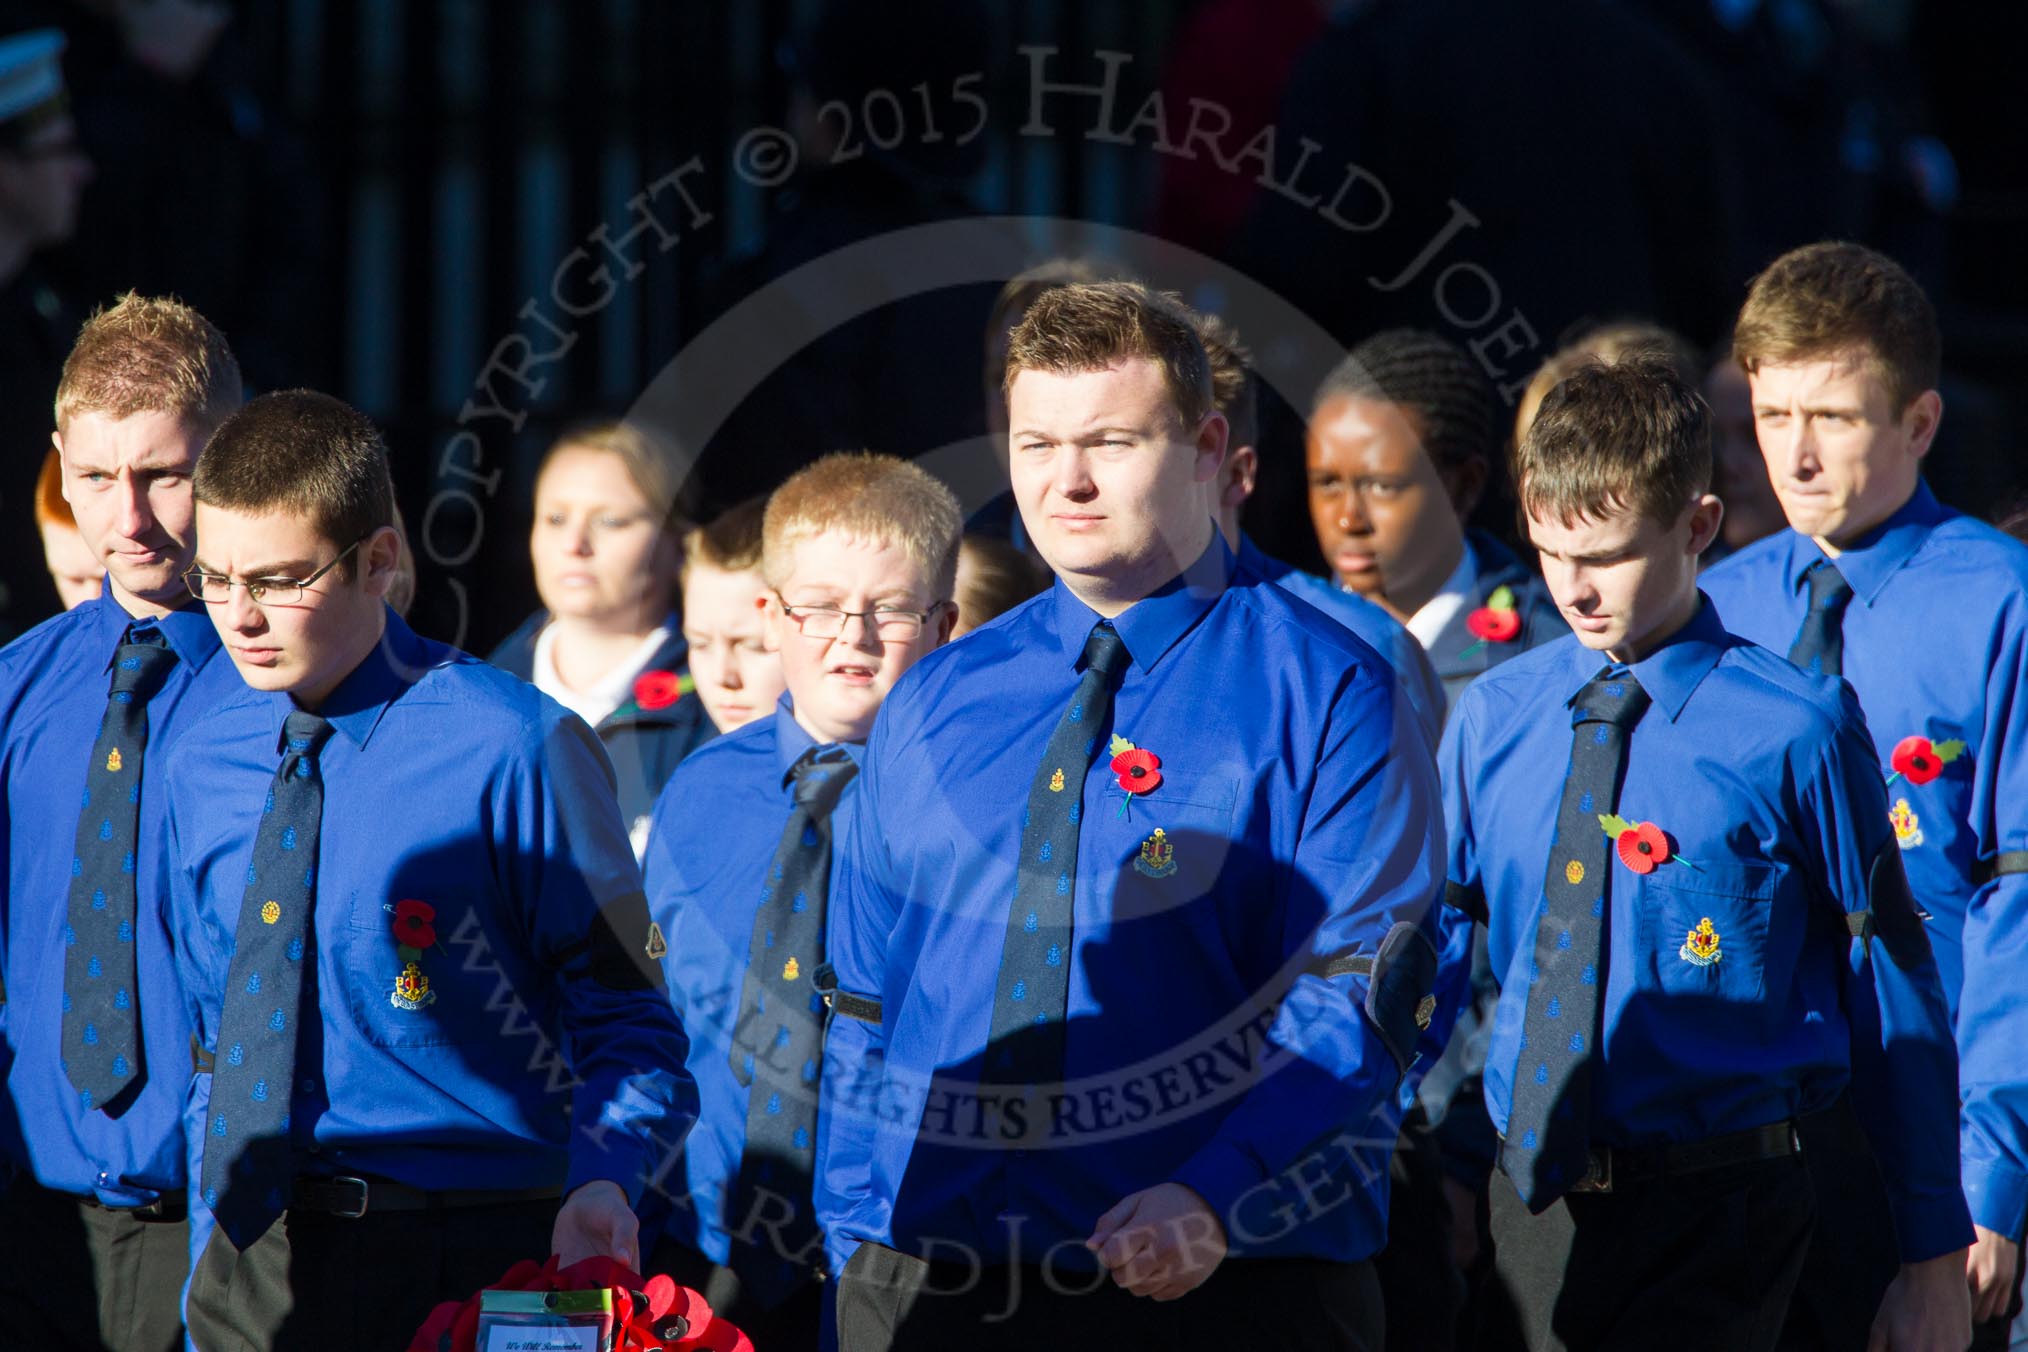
column 214, row 589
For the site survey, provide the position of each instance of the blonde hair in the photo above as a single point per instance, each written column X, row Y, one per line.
column 872, row 497
column 149, row 354
column 650, row 462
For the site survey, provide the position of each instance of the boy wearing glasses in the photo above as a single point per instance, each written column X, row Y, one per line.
column 859, row 552
column 409, row 925
column 97, row 1039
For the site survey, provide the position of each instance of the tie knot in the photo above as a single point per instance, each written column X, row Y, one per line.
column 1105, row 651
column 1613, row 697
column 1828, row 588
column 821, row 772
column 304, row 734
column 141, row 664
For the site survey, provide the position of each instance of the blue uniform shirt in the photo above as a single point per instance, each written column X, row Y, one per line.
column 715, row 832
column 451, row 783
column 1205, row 1045
column 1763, row 777
column 53, row 683
column 1380, row 631
column 1936, row 645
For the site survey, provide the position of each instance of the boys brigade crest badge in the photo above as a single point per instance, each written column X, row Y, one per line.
column 1700, row 946
column 412, row 989
column 1157, row 858
column 1907, row 826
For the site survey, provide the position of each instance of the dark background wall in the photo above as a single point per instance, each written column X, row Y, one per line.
column 416, row 173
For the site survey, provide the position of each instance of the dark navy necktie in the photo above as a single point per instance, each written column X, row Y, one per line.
column 1549, row 1125
column 248, row 1162
column 101, row 996
column 777, row 1044
column 1820, row 645
column 1033, row 994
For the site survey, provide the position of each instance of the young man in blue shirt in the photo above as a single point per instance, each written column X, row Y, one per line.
column 93, row 1239
column 1703, row 933
column 859, row 555
column 1132, row 941
column 409, row 924
column 1924, row 612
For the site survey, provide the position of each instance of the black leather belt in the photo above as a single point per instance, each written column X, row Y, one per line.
column 350, row 1197
column 1613, row 1167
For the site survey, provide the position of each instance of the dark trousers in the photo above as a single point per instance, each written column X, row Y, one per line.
column 1424, row 1291
column 889, row 1302
column 1852, row 1256
column 1698, row 1261
column 797, row 1323
column 77, row 1277
column 316, row 1282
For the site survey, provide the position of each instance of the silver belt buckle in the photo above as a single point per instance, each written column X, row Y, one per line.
column 364, row 1194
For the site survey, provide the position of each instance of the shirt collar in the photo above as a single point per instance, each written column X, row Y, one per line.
column 1878, row 554
column 1428, row 623
column 1672, row 672
column 188, row 631
column 397, row 662
column 1152, row 625
column 792, row 739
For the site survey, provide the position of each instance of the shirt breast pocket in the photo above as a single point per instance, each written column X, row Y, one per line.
column 393, row 964
column 1169, row 846
column 1704, row 928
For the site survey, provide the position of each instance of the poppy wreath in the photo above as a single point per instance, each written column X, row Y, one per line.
column 1919, row 760
column 651, row 1314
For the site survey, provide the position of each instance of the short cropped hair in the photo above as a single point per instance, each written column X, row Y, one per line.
column 997, row 578
column 1234, row 387
column 730, row 541
column 870, row 497
column 1429, row 377
column 1827, row 299
column 305, row 454
column 1011, row 305
column 1612, row 435
column 1091, row 325
column 650, row 461
column 149, row 354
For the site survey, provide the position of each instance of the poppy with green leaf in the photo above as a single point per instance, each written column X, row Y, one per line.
column 1642, row 846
